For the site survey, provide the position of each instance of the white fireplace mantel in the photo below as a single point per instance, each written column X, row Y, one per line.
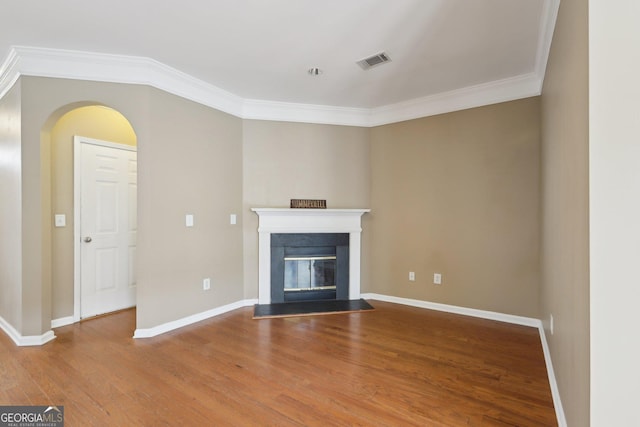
column 283, row 220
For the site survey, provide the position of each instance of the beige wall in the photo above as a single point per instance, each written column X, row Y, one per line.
column 458, row 194
column 10, row 208
column 565, row 209
column 185, row 150
column 44, row 101
column 190, row 163
column 36, row 259
column 95, row 122
column 455, row 194
column 283, row 161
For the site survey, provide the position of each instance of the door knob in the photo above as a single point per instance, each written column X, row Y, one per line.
column 87, row 239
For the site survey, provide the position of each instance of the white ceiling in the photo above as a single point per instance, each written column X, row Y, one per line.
column 261, row 50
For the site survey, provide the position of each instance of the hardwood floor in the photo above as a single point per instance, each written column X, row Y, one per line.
column 394, row 366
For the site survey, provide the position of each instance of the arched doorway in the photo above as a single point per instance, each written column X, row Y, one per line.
column 70, row 128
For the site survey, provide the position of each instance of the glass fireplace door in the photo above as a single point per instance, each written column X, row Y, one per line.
column 309, row 273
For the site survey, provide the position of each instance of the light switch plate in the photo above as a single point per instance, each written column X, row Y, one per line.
column 60, row 220
column 233, row 219
column 189, row 220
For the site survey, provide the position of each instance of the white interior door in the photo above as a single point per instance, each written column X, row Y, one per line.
column 108, row 215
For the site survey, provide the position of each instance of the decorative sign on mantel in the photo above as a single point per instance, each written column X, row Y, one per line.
column 308, row 204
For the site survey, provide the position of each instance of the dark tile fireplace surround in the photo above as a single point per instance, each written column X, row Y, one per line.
column 309, row 267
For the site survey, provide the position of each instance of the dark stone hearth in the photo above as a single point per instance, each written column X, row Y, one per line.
column 306, row 308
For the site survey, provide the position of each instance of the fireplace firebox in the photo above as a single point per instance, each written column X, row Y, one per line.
column 309, row 266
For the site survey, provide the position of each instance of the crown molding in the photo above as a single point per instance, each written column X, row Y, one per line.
column 504, row 90
column 68, row 64
column 255, row 109
column 9, row 72
column 76, row 65
column 547, row 25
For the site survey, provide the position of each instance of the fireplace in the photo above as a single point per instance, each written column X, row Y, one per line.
column 284, row 221
column 309, row 266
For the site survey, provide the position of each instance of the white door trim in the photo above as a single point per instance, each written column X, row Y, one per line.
column 77, row 171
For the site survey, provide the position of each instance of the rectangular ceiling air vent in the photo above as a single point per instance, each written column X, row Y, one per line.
column 374, row 60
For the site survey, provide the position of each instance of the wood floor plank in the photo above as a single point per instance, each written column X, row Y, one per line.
column 395, row 366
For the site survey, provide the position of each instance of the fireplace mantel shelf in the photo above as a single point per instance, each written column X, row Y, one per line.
column 283, row 220
column 293, row 212
column 287, row 220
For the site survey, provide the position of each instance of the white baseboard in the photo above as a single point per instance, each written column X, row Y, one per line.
column 25, row 340
column 555, row 392
column 185, row 321
column 62, row 321
column 491, row 315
